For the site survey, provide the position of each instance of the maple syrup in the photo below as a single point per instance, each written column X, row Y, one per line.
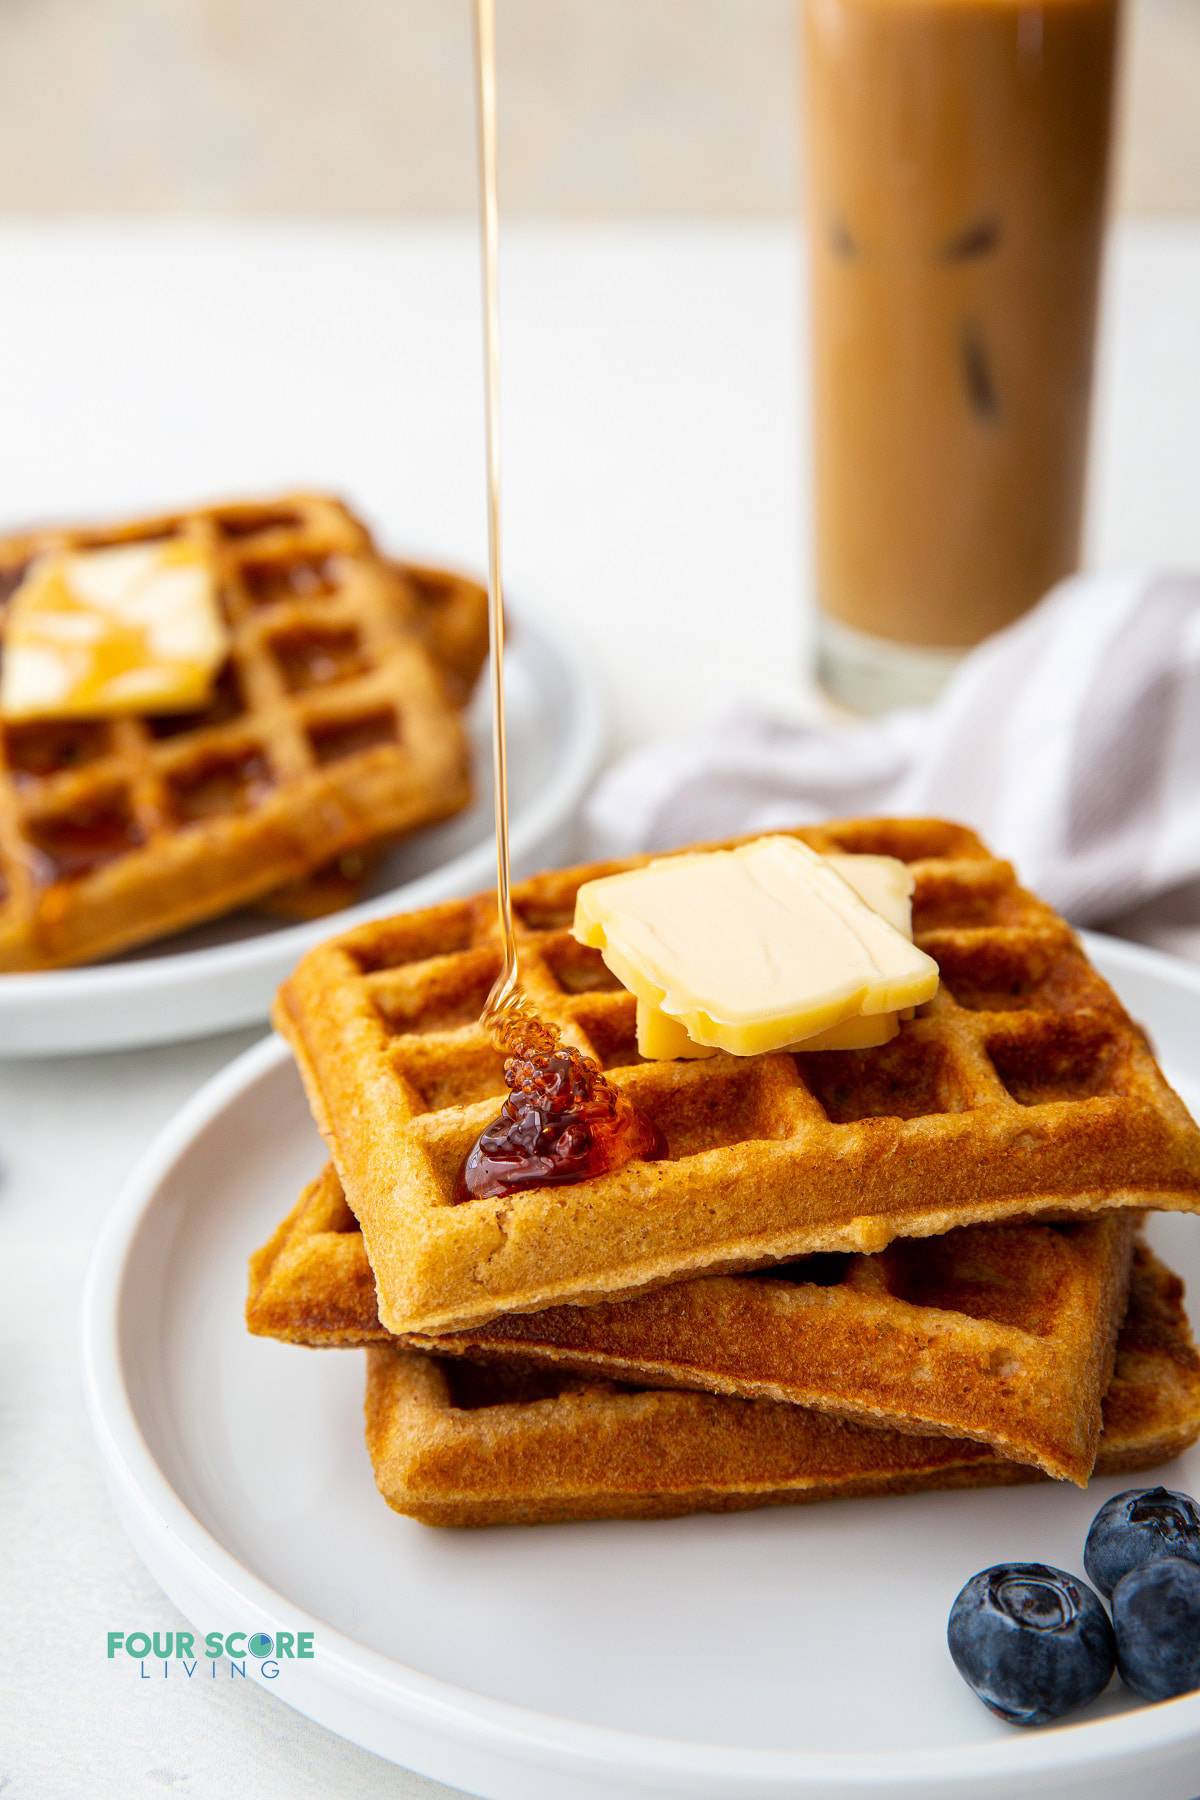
column 562, row 1121
column 70, row 846
column 44, row 747
column 220, row 784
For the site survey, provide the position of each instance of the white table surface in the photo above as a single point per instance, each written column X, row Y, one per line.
column 653, row 474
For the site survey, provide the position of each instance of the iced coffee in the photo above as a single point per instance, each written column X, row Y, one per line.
column 957, row 156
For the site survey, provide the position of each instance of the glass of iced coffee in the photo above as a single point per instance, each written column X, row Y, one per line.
column 957, row 158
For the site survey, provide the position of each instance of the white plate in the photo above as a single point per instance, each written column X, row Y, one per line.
column 225, row 973
column 795, row 1651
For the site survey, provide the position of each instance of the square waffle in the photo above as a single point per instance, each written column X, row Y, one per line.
column 458, row 1443
column 1022, row 1089
column 1005, row 1333
column 331, row 726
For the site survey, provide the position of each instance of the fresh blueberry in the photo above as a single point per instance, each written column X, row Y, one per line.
column 1033, row 1642
column 1156, row 1612
column 1140, row 1526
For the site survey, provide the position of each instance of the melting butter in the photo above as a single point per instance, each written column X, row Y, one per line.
column 765, row 947
column 133, row 628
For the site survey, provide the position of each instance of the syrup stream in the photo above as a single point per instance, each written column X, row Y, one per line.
column 504, row 1003
column 562, row 1121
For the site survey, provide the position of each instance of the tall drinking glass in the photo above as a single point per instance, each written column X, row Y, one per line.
column 957, row 163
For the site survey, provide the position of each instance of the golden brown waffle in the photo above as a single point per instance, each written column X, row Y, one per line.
column 451, row 614
column 330, row 889
column 1005, row 1333
column 331, row 727
column 1022, row 1089
column 459, row 1443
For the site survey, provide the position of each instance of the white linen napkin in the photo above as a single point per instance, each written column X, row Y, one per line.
column 1071, row 742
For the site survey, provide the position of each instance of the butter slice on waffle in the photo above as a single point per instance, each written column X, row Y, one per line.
column 1004, row 1333
column 761, row 948
column 331, row 726
column 1023, row 1088
column 132, row 628
column 885, row 886
column 458, row 1443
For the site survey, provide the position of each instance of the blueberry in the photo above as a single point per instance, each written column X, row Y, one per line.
column 1156, row 1612
column 1033, row 1642
column 1138, row 1527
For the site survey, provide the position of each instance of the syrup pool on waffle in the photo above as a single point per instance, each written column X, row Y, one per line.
column 562, row 1121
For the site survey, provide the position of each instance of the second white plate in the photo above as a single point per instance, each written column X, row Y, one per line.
column 224, row 974
column 798, row 1651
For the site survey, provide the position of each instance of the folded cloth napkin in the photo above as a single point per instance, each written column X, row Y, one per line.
column 1070, row 741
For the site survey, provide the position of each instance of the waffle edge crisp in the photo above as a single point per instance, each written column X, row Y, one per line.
column 1005, row 1334
column 1023, row 1089
column 332, row 726
column 453, row 1443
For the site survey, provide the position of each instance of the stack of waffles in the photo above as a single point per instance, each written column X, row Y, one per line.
column 336, row 722
column 850, row 1272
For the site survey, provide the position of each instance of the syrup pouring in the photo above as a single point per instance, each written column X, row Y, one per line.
column 562, row 1120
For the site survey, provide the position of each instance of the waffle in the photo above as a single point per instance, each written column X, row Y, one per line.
column 1004, row 1333
column 331, row 726
column 452, row 617
column 1022, row 1089
column 458, row 1443
column 451, row 614
column 330, row 889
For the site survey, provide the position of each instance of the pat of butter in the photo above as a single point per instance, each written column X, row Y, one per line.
column 760, row 948
column 886, row 886
column 664, row 1039
column 131, row 629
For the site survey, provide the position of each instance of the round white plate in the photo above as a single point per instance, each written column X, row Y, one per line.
column 792, row 1651
column 226, row 973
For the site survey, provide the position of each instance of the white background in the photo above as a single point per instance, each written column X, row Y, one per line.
column 654, row 479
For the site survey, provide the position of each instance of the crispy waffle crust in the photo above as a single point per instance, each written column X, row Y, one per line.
column 456, row 1443
column 1001, row 1333
column 332, row 726
column 1022, row 1089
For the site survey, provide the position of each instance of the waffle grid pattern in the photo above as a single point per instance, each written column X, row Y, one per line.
column 1001, row 1333
column 451, row 614
column 502, row 1449
column 331, row 726
column 1021, row 1089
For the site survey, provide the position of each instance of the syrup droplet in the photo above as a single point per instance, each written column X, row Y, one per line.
column 562, row 1121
